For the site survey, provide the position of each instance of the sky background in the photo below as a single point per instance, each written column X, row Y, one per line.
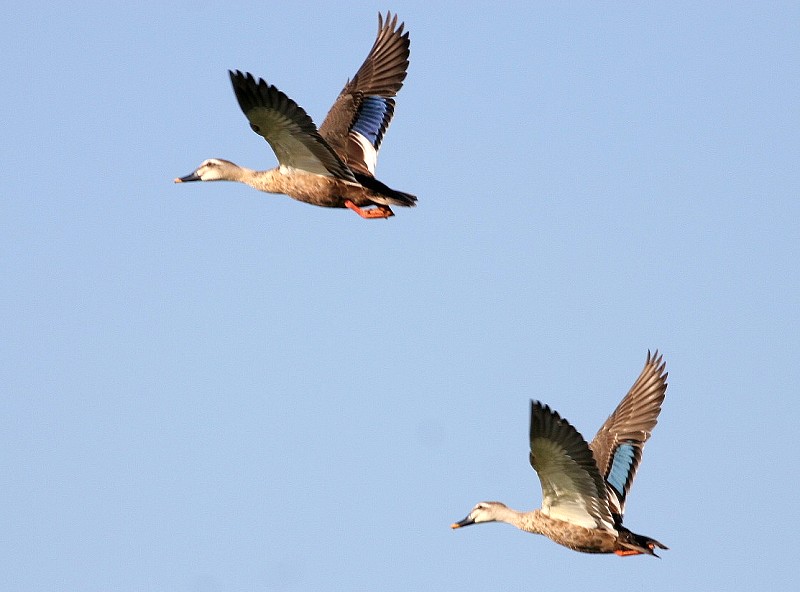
column 207, row 388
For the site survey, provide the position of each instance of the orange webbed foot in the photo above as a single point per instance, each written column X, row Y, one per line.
column 626, row 552
column 380, row 211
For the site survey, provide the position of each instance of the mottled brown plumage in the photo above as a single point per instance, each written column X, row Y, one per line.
column 584, row 486
column 333, row 166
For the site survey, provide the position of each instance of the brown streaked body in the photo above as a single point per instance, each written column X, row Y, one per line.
column 333, row 166
column 584, row 486
column 318, row 190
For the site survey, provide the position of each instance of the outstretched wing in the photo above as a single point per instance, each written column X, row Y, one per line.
column 618, row 445
column 357, row 122
column 572, row 488
column 287, row 128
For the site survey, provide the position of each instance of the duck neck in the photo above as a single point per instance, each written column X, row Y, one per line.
column 240, row 174
column 270, row 181
column 526, row 521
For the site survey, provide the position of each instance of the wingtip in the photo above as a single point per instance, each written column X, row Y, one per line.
column 390, row 22
column 655, row 358
column 239, row 75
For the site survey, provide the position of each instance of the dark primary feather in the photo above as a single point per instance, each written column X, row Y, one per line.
column 366, row 104
column 619, row 442
column 287, row 127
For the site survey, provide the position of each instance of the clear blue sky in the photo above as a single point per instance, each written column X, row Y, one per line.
column 207, row 388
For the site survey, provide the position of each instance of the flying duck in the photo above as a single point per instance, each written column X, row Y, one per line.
column 333, row 166
column 585, row 485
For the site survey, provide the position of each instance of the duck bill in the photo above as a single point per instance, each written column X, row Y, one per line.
column 191, row 177
column 465, row 522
